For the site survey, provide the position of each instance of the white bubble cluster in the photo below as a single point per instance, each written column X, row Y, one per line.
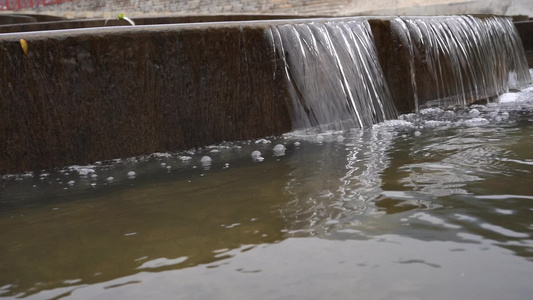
column 279, row 150
column 256, row 156
column 206, row 162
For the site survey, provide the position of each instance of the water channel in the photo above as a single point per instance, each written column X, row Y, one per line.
column 435, row 205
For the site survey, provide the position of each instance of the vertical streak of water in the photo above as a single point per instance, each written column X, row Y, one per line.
column 402, row 31
column 333, row 72
column 336, row 82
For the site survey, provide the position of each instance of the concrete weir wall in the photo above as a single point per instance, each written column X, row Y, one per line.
column 525, row 30
column 87, row 95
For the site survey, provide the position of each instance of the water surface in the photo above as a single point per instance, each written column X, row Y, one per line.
column 431, row 206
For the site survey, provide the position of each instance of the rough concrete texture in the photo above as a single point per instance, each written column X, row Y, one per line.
column 89, row 95
column 88, row 23
column 109, row 8
column 525, row 30
column 393, row 60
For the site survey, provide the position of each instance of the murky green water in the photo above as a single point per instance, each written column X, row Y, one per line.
column 437, row 206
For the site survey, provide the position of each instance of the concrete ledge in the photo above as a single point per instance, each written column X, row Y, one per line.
column 90, row 23
column 93, row 94
column 86, row 95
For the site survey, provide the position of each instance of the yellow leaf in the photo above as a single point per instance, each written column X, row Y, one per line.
column 24, row 46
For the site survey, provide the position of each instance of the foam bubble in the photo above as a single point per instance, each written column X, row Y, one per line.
column 474, row 112
column 161, row 155
column 82, row 170
column 400, row 123
column 279, row 150
column 431, row 111
column 434, row 123
column 476, row 122
column 509, row 97
column 206, row 161
column 263, row 141
column 256, row 156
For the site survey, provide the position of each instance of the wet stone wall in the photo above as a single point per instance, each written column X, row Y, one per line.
column 449, row 60
column 525, row 29
column 86, row 95
column 83, row 96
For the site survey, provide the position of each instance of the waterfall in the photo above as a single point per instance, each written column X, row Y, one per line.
column 333, row 72
column 466, row 58
column 334, row 76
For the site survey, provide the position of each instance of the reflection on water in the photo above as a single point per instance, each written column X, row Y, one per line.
column 430, row 206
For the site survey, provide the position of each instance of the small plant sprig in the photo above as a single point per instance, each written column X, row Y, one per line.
column 121, row 17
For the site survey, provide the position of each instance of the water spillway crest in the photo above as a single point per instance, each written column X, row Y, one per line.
column 339, row 77
column 334, row 75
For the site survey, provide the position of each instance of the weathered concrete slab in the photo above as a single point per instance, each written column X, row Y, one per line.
column 90, row 23
column 525, row 29
column 87, row 95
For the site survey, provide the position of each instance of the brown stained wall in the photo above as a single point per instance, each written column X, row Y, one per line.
column 394, row 61
column 92, row 95
column 525, row 30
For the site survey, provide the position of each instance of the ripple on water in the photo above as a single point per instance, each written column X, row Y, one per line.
column 396, row 200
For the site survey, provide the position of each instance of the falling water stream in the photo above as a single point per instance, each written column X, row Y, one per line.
column 432, row 205
column 484, row 56
column 335, row 78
